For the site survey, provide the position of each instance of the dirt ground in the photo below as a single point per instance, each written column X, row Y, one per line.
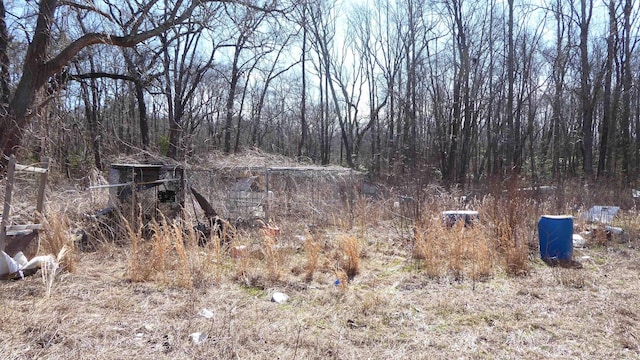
column 391, row 310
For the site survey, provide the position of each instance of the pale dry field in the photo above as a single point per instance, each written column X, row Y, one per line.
column 391, row 310
column 421, row 291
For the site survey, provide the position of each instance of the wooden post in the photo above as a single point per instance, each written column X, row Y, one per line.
column 134, row 218
column 41, row 190
column 182, row 191
column 7, row 201
column 267, row 209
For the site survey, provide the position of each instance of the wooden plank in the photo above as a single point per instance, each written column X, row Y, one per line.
column 29, row 168
column 20, row 242
column 41, row 189
column 23, row 227
column 17, row 233
column 7, row 201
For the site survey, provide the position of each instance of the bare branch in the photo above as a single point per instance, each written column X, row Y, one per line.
column 86, row 7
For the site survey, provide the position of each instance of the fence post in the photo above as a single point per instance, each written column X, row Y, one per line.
column 267, row 210
column 41, row 190
column 7, row 201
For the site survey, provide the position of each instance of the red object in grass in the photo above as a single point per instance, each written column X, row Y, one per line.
column 271, row 230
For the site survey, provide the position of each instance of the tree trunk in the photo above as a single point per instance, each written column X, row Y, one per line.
column 608, row 111
column 513, row 125
column 303, row 100
column 142, row 114
column 233, row 85
column 627, row 83
column 585, row 89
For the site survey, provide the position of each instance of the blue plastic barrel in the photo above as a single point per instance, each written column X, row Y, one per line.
column 556, row 237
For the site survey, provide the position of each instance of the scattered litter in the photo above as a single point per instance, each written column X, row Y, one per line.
column 279, row 297
column 354, row 325
column 613, row 229
column 578, row 241
column 601, row 214
column 585, row 257
column 635, row 193
column 198, row 338
column 271, row 230
column 19, row 267
column 206, row 313
column 337, row 282
column 238, row 251
column 450, row 217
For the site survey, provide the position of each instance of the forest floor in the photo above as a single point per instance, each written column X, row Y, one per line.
column 394, row 308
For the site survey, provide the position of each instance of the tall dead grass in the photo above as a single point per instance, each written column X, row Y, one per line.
column 459, row 251
column 349, row 261
column 58, row 240
column 272, row 256
column 512, row 220
column 171, row 255
column 312, row 252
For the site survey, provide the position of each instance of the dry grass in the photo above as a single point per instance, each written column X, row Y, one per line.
column 272, row 257
column 386, row 312
column 407, row 290
column 58, row 241
column 349, row 261
column 312, row 251
column 171, row 256
column 456, row 252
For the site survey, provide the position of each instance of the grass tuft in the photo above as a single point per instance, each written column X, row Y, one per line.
column 350, row 256
column 58, row 241
column 312, row 251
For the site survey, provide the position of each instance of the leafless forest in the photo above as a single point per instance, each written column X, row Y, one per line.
column 456, row 91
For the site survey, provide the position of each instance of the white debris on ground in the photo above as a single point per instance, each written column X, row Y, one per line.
column 206, row 313
column 279, row 297
column 614, row 229
column 601, row 214
column 578, row 241
column 18, row 265
column 198, row 337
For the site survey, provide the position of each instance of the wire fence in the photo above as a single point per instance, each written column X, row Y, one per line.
column 314, row 195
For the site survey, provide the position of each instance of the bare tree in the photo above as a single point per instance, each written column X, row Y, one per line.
column 628, row 46
column 608, row 122
column 583, row 19
column 184, row 69
column 47, row 53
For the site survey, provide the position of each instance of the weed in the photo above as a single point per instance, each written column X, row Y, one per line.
column 350, row 256
column 137, row 269
column 57, row 241
column 271, row 256
column 429, row 246
column 511, row 219
column 312, row 251
column 171, row 255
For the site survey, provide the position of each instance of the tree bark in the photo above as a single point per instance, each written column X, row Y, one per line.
column 586, row 8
